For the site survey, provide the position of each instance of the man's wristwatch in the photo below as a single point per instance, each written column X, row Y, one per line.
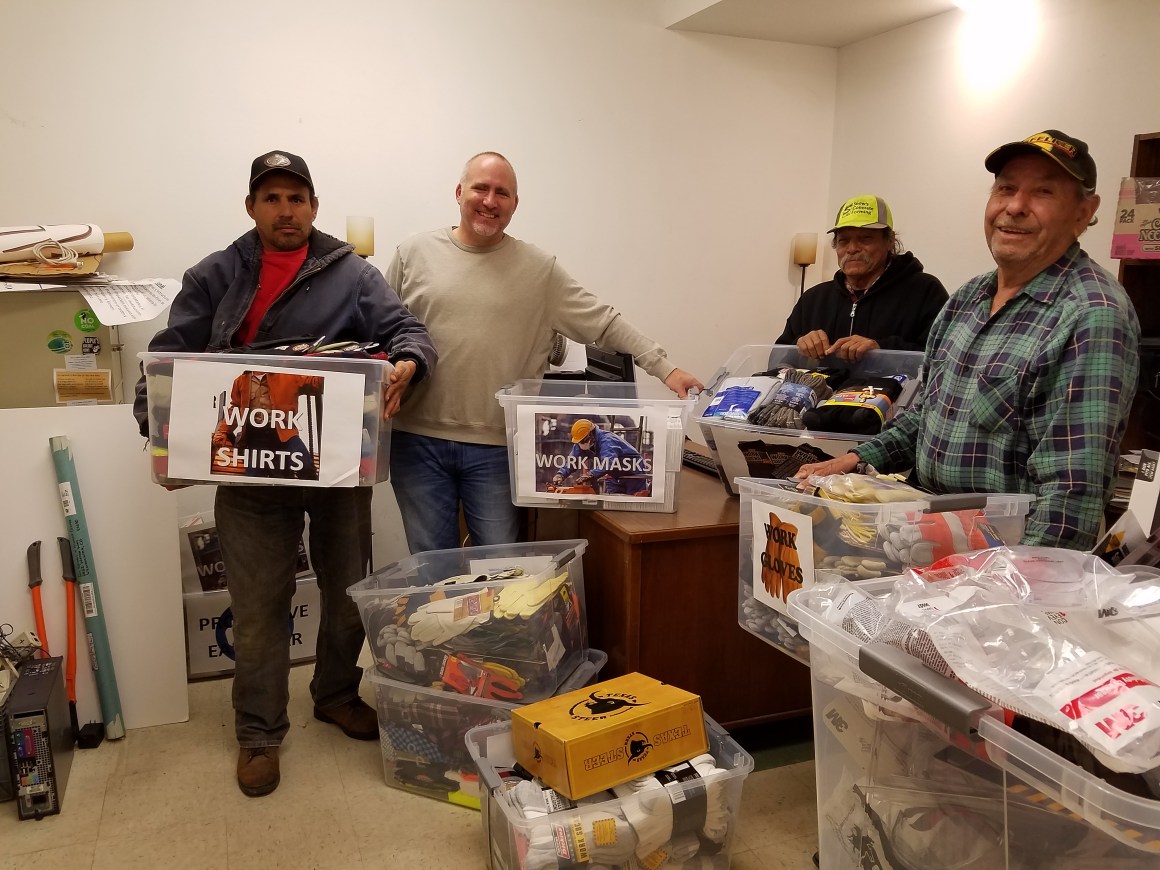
column 863, row 466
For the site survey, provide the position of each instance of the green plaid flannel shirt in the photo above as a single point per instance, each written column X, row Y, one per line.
column 1034, row 399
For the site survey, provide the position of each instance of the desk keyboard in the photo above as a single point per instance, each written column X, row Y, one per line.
column 699, row 461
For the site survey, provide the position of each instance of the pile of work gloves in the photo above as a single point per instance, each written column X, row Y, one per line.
column 503, row 635
column 864, row 527
column 859, row 541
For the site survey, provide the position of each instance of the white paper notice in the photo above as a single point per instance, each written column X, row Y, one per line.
column 129, row 301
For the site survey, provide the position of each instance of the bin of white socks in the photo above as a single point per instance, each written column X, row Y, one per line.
column 683, row 816
column 422, row 730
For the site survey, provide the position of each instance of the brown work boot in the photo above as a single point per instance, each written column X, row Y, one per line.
column 356, row 718
column 258, row 770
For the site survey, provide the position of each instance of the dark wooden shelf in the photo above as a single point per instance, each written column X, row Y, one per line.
column 1141, row 278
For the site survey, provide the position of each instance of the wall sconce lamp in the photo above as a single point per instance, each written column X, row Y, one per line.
column 360, row 232
column 805, row 253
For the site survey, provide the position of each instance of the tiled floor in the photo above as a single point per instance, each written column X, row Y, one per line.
column 166, row 798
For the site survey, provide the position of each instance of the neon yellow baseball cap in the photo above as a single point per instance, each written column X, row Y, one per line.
column 864, row 212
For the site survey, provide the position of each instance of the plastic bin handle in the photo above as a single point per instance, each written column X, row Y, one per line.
column 947, row 700
column 564, row 558
column 718, row 376
column 959, row 501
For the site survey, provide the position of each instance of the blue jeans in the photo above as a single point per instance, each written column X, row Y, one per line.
column 431, row 476
column 259, row 528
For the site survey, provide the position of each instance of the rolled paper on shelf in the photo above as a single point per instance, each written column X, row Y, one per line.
column 19, row 244
column 118, row 242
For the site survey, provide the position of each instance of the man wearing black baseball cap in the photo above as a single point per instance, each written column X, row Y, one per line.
column 279, row 161
column 1031, row 368
column 1070, row 153
column 286, row 279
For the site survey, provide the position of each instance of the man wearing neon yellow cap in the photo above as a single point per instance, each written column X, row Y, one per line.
column 879, row 298
column 1031, row 367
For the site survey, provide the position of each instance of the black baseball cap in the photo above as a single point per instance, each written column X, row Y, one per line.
column 1069, row 152
column 279, row 161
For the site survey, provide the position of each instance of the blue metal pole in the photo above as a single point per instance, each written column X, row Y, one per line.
column 100, row 655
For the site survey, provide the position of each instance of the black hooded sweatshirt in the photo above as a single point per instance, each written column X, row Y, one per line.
column 897, row 311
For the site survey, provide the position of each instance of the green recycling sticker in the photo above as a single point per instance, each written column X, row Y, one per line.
column 60, row 341
column 86, row 320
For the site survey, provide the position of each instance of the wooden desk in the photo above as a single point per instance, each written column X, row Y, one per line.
column 661, row 593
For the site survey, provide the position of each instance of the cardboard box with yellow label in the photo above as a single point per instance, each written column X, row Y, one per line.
column 592, row 739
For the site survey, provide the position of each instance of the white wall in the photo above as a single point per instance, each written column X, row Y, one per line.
column 131, row 527
column 668, row 171
column 918, row 110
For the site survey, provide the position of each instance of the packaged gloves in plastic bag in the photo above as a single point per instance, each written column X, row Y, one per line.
column 1067, row 579
column 865, row 489
column 861, row 406
column 1032, row 662
column 800, row 390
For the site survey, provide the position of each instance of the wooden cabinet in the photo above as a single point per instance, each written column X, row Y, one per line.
column 661, row 594
column 1141, row 278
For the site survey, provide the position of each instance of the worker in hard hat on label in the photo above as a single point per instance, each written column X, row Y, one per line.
column 598, row 455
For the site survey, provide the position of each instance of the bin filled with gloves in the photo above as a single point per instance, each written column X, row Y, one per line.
column 770, row 409
column 585, row 444
column 682, row 816
column 856, row 526
column 259, row 418
column 422, row 731
column 505, row 622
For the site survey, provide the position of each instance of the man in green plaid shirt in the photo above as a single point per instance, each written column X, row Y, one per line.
column 1031, row 368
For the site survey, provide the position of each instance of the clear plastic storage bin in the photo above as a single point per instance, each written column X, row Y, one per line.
column 810, row 535
column 512, row 627
column 586, row 444
column 203, row 430
column 704, row 812
column 422, row 731
column 742, row 449
column 915, row 770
